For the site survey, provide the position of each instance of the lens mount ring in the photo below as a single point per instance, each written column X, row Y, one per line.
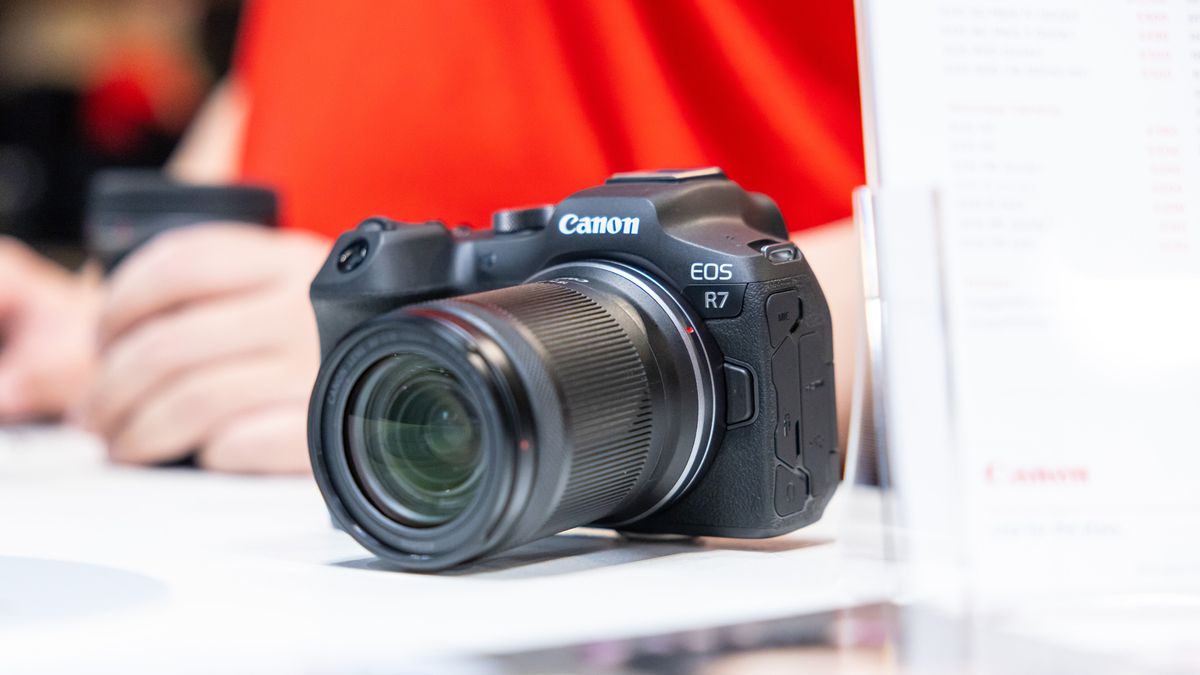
column 492, row 387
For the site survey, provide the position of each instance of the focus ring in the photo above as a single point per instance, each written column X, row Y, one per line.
column 605, row 391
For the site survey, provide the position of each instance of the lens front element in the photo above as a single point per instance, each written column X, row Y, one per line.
column 414, row 438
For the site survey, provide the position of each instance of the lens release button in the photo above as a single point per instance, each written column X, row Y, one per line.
column 783, row 311
column 739, row 394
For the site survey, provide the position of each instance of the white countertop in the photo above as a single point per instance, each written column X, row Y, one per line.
column 114, row 569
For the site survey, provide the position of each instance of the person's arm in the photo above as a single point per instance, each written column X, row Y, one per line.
column 210, row 150
column 832, row 251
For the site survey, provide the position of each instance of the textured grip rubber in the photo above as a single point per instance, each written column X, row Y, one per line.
column 603, row 384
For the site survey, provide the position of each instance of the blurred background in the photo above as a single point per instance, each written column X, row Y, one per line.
column 86, row 84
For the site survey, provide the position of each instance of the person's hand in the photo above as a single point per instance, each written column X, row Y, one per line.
column 209, row 345
column 47, row 334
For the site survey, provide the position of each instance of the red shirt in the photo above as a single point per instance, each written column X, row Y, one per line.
column 419, row 109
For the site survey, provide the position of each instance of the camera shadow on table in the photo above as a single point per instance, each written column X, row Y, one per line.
column 43, row 589
column 585, row 550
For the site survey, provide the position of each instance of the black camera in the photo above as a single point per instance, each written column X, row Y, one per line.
column 651, row 355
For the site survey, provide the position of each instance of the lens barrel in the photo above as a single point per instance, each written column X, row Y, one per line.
column 448, row 430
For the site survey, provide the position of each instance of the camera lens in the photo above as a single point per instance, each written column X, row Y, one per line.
column 413, row 436
column 448, row 430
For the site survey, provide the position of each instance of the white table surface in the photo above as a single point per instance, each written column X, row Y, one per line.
column 111, row 569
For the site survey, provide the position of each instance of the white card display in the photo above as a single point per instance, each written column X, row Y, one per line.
column 1035, row 172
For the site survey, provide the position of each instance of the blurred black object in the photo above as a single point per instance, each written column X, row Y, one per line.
column 218, row 33
column 47, row 151
column 128, row 207
column 43, row 169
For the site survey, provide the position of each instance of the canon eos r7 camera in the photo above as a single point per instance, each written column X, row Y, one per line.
column 650, row 355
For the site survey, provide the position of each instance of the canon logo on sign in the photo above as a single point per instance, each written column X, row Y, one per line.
column 573, row 224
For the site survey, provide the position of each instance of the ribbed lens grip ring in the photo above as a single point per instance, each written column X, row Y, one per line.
column 603, row 386
column 622, row 384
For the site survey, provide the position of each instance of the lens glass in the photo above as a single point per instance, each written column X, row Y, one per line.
column 415, row 439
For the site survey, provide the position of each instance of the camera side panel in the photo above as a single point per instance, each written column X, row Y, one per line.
column 777, row 469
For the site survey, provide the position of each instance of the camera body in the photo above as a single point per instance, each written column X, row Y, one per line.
column 773, row 463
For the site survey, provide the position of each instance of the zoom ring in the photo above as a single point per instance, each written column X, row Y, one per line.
column 606, row 395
